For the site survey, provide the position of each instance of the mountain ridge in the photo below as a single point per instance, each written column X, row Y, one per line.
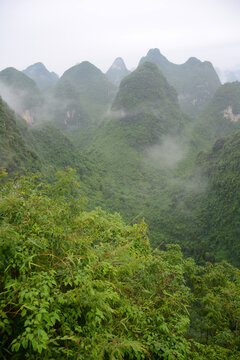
column 195, row 81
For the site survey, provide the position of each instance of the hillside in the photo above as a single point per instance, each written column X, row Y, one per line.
column 203, row 207
column 220, row 117
column 87, row 285
column 15, row 155
column 195, row 81
column 21, row 93
column 41, row 148
column 220, row 206
column 82, row 95
column 139, row 145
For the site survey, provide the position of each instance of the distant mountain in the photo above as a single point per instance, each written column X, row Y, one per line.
column 148, row 104
column 42, row 77
column 117, row 71
column 82, row 95
column 229, row 75
column 21, row 93
column 15, row 154
column 195, row 81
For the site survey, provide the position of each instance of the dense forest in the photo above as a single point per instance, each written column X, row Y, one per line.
column 119, row 212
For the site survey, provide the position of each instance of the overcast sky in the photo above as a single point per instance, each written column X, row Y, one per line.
column 61, row 33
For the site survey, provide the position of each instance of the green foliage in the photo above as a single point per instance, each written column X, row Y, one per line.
column 144, row 113
column 219, row 207
column 214, row 122
column 216, row 312
column 83, row 285
column 195, row 81
column 203, row 215
column 145, row 87
column 55, row 150
column 15, row 154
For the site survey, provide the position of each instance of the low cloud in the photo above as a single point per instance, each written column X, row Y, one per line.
column 168, row 154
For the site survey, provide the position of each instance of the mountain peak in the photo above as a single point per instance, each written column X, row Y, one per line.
column 195, row 81
column 117, row 71
column 40, row 74
column 193, row 61
column 81, row 71
column 156, row 55
column 37, row 65
column 155, row 52
column 119, row 64
column 145, row 86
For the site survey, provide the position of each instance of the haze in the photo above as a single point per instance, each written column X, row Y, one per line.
column 61, row 33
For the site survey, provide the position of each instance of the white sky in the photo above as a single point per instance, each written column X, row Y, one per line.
column 61, row 33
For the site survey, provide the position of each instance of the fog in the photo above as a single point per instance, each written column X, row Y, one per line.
column 168, row 153
column 12, row 98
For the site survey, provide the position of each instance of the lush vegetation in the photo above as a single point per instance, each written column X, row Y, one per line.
column 77, row 285
column 219, row 208
column 219, row 118
column 15, row 154
column 195, row 81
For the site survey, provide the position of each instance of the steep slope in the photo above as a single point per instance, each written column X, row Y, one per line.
column 117, row 71
column 203, row 208
column 40, row 148
column 146, row 99
column 220, row 206
column 56, row 151
column 82, row 95
column 220, row 117
column 21, row 93
column 42, row 77
column 209, row 219
column 15, row 154
column 195, row 81
column 132, row 147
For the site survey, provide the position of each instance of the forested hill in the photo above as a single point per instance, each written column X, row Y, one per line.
column 135, row 147
column 195, row 81
column 81, row 97
column 220, row 117
column 15, row 155
column 41, row 149
column 21, row 93
column 220, row 205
